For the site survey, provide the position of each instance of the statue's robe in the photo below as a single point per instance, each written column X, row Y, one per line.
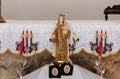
column 60, row 38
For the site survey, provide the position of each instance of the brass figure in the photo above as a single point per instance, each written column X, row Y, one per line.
column 60, row 38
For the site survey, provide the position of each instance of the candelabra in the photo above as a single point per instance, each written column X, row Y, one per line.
column 101, row 46
column 21, row 66
column 26, row 45
column 99, row 66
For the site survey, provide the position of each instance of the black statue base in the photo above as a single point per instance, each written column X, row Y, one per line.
column 60, row 68
column 54, row 71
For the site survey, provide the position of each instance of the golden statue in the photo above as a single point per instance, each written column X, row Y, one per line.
column 60, row 38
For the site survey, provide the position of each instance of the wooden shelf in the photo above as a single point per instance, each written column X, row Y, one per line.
column 111, row 10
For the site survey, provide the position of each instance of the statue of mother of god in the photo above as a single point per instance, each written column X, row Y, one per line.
column 60, row 38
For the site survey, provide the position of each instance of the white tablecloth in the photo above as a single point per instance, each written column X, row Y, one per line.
column 78, row 73
column 11, row 31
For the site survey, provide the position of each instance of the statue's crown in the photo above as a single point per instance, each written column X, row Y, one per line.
column 61, row 15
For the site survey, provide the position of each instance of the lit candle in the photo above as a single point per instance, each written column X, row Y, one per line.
column 105, row 38
column 23, row 37
column 97, row 37
column 99, row 49
column 31, row 36
column 100, row 44
column 27, row 35
column 21, row 48
column 101, row 38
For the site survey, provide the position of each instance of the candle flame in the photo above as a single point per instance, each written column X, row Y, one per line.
column 97, row 32
column 31, row 32
column 23, row 32
column 26, row 31
column 27, row 34
column 105, row 33
column 101, row 31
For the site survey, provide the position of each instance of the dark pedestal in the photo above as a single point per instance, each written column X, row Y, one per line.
column 56, row 70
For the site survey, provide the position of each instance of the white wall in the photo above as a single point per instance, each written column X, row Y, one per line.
column 49, row 9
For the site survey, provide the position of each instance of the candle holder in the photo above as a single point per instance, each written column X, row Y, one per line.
column 26, row 45
column 99, row 66
column 21, row 67
column 101, row 46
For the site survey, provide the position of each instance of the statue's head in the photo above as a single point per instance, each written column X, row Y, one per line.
column 61, row 19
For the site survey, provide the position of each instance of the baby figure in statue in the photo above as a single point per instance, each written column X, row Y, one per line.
column 60, row 38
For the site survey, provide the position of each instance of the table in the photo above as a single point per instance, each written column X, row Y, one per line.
column 11, row 31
